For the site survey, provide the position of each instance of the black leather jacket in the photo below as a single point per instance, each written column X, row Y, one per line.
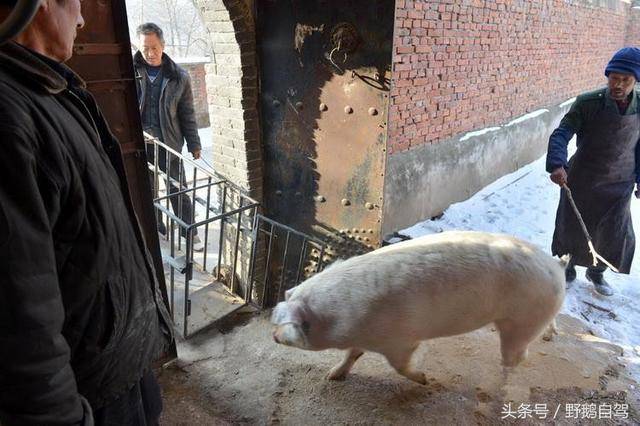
column 177, row 117
column 81, row 315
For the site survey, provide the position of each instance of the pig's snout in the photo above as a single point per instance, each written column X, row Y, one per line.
column 290, row 334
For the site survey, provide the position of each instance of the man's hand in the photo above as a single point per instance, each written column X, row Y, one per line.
column 559, row 176
column 196, row 153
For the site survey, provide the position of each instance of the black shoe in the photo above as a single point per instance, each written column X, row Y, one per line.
column 570, row 273
column 601, row 285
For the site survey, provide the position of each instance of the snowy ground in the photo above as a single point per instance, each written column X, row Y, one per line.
column 524, row 204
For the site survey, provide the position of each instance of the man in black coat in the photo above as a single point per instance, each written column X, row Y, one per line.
column 166, row 108
column 81, row 314
column 602, row 173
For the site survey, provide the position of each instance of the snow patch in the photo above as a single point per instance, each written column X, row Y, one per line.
column 478, row 133
column 511, row 123
column 527, row 117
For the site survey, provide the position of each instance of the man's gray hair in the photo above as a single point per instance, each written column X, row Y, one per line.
column 150, row 28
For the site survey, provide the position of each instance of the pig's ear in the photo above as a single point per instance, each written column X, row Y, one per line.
column 288, row 293
column 280, row 313
column 289, row 312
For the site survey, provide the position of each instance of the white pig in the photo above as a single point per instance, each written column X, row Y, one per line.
column 389, row 300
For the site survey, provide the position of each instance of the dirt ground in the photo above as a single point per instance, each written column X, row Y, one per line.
column 236, row 374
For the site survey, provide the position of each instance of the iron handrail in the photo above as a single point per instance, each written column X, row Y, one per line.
column 153, row 140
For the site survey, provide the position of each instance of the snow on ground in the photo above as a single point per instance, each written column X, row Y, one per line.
column 524, row 204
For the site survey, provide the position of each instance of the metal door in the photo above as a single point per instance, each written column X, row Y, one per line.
column 325, row 72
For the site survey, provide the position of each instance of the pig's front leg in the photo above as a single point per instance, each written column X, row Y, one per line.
column 399, row 356
column 340, row 371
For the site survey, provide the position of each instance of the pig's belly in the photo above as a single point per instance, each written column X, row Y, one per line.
column 417, row 321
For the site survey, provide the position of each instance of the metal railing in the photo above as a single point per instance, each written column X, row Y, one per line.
column 206, row 205
column 245, row 258
column 281, row 259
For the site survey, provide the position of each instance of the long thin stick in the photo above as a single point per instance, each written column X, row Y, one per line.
column 592, row 249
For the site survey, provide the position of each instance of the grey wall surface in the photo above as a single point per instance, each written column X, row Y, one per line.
column 421, row 183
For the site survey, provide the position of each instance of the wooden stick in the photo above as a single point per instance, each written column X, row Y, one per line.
column 592, row 249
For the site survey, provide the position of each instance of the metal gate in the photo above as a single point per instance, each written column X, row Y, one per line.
column 325, row 73
column 245, row 257
column 281, row 259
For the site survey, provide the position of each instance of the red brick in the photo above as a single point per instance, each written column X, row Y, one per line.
column 458, row 67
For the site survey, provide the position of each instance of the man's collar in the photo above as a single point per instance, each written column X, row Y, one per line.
column 630, row 98
column 52, row 76
column 169, row 68
column 611, row 103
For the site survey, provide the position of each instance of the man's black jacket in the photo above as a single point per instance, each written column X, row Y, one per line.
column 177, row 117
column 81, row 316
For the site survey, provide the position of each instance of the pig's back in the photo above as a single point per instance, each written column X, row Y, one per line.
column 437, row 285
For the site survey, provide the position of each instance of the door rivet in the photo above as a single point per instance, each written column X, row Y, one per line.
column 275, row 103
column 346, row 202
column 320, row 198
column 348, row 110
column 369, row 206
column 299, row 105
column 373, row 111
column 323, row 107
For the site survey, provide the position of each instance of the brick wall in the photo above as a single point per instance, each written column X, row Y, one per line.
column 232, row 87
column 199, row 88
column 633, row 28
column 465, row 65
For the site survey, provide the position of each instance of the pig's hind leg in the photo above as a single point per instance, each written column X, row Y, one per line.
column 399, row 357
column 340, row 371
column 552, row 329
column 514, row 340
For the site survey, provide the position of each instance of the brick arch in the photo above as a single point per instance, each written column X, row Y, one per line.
column 232, row 92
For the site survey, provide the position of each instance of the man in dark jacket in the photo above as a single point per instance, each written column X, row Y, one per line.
column 81, row 315
column 602, row 173
column 166, row 109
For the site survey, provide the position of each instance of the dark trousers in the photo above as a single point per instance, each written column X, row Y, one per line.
column 181, row 204
column 141, row 406
column 592, row 270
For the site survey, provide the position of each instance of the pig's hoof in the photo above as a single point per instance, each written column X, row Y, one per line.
column 336, row 374
column 551, row 330
column 417, row 377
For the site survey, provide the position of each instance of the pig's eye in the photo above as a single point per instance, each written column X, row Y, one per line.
column 305, row 326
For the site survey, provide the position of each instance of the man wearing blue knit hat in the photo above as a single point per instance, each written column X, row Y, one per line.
column 602, row 173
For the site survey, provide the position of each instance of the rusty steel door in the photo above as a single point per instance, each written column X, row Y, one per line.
column 102, row 57
column 325, row 69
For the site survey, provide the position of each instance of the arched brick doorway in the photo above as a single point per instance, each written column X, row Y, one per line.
column 232, row 87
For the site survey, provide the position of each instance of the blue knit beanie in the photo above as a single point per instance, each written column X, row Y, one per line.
column 625, row 61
